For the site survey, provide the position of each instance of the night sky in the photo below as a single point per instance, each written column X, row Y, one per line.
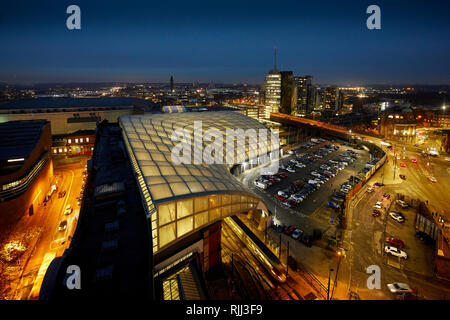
column 225, row 41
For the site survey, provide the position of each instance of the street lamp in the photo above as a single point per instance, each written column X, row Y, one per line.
column 329, row 277
column 339, row 254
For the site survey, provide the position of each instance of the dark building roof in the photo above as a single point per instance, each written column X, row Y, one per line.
column 18, row 138
column 72, row 103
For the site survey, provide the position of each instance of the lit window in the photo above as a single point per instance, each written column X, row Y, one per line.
column 65, row 149
column 54, row 151
column 81, row 140
column 76, row 140
column 87, row 139
column 60, row 150
column 69, row 140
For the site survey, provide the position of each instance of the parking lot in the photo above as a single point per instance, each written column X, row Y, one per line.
column 315, row 179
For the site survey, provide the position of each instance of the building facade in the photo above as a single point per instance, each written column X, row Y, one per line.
column 80, row 142
column 398, row 123
column 272, row 96
column 68, row 115
column 305, row 94
column 26, row 168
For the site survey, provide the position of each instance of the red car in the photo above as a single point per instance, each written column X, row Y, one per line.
column 402, row 164
column 282, row 174
column 376, row 213
column 395, row 242
column 386, row 195
column 289, row 230
column 378, row 184
column 414, row 160
column 280, row 198
column 298, row 184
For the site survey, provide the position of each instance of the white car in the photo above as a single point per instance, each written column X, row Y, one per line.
column 402, row 203
column 395, row 252
column 369, row 190
column 290, row 169
column 68, row 210
column 260, row 185
column 300, row 165
column 378, row 205
column 432, row 179
column 315, row 174
column 396, row 216
column 296, row 198
column 398, row 287
column 283, row 194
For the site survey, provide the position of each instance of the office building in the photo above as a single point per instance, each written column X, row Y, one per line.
column 305, row 94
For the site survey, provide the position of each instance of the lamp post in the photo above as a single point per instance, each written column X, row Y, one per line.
column 339, row 253
column 329, row 277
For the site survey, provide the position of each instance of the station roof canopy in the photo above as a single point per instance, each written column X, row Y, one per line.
column 149, row 138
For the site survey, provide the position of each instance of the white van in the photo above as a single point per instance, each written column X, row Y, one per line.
column 261, row 185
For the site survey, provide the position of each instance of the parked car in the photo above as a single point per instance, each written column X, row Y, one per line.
column 378, row 205
column 401, row 288
column 378, row 184
column 402, row 176
column 280, row 198
column 395, row 242
column 289, row 230
column 370, row 189
column 297, row 234
column 396, row 216
column 402, row 203
column 260, row 185
column 395, row 252
column 333, row 205
column 290, row 169
column 283, row 193
column 68, row 210
column 386, row 195
column 432, row 179
column 376, row 213
column 62, row 226
column 296, row 197
column 414, row 160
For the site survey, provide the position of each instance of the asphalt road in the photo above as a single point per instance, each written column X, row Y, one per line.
column 51, row 242
column 365, row 236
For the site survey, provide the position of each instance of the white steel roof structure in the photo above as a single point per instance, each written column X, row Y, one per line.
column 180, row 198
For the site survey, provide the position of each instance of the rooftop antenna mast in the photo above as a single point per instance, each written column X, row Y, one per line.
column 275, row 60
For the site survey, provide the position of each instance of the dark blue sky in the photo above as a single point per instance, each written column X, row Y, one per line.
column 225, row 41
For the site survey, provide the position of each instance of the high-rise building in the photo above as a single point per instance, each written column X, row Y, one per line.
column 279, row 92
column 288, row 100
column 332, row 100
column 171, row 83
column 304, row 94
column 272, row 92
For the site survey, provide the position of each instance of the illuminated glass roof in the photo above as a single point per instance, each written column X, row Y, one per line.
column 149, row 138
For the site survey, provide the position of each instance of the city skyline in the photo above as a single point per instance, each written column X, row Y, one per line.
column 186, row 40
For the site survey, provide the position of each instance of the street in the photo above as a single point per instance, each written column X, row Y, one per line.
column 24, row 280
